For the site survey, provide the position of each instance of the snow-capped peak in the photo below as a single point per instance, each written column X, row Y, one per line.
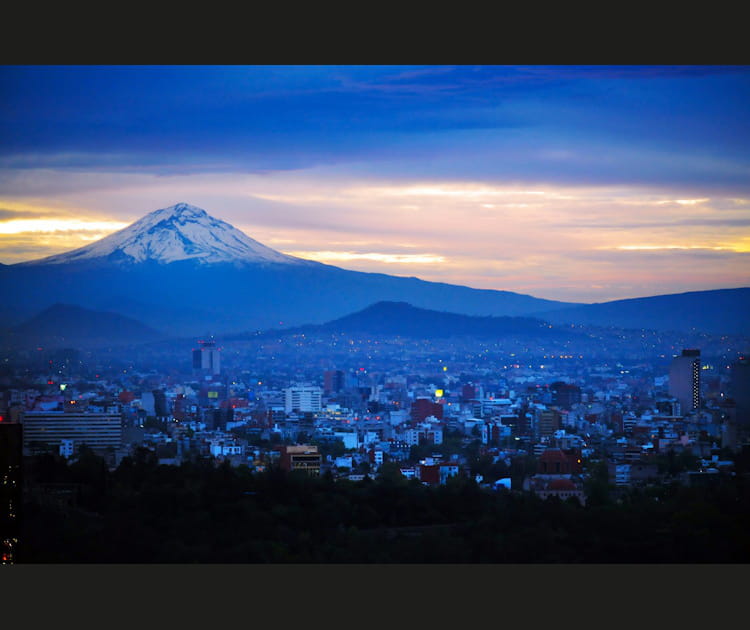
column 180, row 232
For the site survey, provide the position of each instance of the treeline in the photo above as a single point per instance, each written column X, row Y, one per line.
column 199, row 512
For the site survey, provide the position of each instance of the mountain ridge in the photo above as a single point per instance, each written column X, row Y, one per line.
column 182, row 270
column 713, row 311
column 194, row 290
column 71, row 325
column 404, row 319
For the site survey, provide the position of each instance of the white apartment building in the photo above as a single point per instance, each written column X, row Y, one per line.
column 302, row 398
column 45, row 429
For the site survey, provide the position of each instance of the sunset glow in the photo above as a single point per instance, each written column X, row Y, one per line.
column 411, row 259
column 539, row 180
column 22, row 226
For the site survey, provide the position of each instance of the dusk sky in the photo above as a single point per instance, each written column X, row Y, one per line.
column 573, row 183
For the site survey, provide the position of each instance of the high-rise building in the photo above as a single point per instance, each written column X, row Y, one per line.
column 548, row 421
column 685, row 380
column 206, row 359
column 565, row 395
column 154, row 403
column 161, row 406
column 468, row 392
column 333, row 381
column 11, row 484
column 302, row 398
column 739, row 389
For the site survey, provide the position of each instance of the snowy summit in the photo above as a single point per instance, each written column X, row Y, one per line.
column 180, row 232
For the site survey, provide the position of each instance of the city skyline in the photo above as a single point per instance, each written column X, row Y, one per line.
column 572, row 183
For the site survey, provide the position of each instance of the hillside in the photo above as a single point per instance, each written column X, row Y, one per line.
column 403, row 319
column 722, row 311
column 70, row 325
column 179, row 269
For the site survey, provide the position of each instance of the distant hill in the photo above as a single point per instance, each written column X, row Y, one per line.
column 401, row 319
column 70, row 325
column 722, row 311
column 178, row 269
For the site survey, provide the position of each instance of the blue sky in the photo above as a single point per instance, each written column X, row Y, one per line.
column 582, row 183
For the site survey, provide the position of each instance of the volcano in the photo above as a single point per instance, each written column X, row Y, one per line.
column 182, row 271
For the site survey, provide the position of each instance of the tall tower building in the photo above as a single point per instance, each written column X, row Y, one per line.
column 739, row 389
column 685, row 380
column 206, row 359
column 11, row 484
column 333, row 381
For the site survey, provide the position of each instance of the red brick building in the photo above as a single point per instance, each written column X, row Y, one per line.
column 555, row 461
column 423, row 407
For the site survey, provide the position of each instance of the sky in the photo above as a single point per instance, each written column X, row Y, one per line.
column 573, row 183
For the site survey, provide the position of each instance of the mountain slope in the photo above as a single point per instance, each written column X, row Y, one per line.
column 188, row 298
column 71, row 325
column 400, row 319
column 722, row 311
column 403, row 319
column 182, row 271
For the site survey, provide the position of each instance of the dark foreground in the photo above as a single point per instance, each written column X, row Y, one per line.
column 202, row 513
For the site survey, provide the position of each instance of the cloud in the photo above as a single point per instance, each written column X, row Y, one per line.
column 722, row 222
column 379, row 257
column 523, row 178
column 12, row 214
column 526, row 236
column 53, row 226
column 548, row 123
column 690, row 248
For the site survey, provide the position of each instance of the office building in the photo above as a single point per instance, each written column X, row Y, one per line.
column 333, row 381
column 303, row 399
column 48, row 430
column 301, row 457
column 565, row 395
column 685, row 380
column 206, row 359
column 548, row 421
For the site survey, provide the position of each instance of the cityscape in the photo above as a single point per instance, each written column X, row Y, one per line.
column 173, row 390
